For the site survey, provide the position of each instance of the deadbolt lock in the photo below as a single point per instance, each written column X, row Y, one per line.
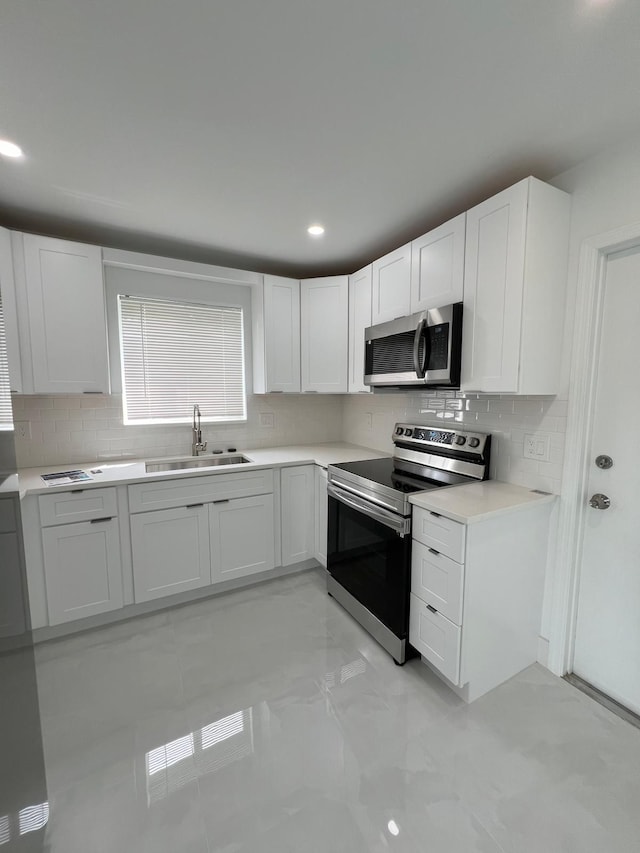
column 600, row 501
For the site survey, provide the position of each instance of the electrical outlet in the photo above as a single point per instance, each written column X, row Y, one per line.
column 267, row 419
column 536, row 446
column 23, row 429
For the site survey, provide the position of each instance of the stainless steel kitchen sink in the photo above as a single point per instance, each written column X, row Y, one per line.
column 197, row 462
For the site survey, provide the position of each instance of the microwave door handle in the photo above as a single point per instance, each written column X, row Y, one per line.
column 421, row 329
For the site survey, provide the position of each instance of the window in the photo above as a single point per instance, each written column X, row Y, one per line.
column 6, row 414
column 176, row 354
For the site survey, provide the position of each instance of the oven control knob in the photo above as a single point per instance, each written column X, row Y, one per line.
column 399, row 431
column 408, row 432
column 460, row 439
column 474, row 442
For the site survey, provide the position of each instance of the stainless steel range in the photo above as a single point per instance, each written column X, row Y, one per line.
column 369, row 539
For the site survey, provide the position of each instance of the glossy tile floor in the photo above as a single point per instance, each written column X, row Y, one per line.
column 267, row 720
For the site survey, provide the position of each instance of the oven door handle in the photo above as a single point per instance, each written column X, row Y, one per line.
column 402, row 526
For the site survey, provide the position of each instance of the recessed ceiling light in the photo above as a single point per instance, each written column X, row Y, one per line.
column 316, row 230
column 9, row 149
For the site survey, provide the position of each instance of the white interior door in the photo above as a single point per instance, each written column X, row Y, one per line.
column 607, row 648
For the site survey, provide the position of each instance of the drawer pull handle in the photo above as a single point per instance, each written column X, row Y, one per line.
column 226, row 501
column 193, row 506
column 435, row 514
column 77, row 491
column 433, row 551
column 432, row 609
column 98, row 520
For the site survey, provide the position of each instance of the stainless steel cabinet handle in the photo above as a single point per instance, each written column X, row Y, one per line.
column 193, row 506
column 433, row 551
column 98, row 520
column 432, row 609
column 435, row 514
column 221, row 502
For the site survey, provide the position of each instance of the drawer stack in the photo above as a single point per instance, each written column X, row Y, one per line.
column 437, row 584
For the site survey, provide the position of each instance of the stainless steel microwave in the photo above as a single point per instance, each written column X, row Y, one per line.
column 423, row 349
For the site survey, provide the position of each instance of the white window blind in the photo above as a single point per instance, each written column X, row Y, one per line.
column 6, row 414
column 177, row 354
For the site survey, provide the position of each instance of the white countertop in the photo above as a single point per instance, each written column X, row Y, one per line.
column 133, row 470
column 478, row 501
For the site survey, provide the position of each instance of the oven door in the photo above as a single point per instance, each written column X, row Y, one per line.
column 369, row 555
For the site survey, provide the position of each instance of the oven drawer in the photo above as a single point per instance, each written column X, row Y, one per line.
column 437, row 580
column 440, row 533
column 77, row 505
column 436, row 638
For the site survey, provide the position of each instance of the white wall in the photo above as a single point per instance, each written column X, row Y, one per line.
column 605, row 194
column 78, row 428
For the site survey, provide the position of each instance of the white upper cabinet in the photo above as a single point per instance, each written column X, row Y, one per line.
column 392, row 285
column 8, row 310
column 66, row 316
column 514, row 290
column 359, row 320
column 324, row 332
column 276, row 335
column 437, row 266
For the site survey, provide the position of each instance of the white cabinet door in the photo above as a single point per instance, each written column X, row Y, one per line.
column 392, row 285
column 9, row 312
column 496, row 242
column 66, row 316
column 170, row 549
column 514, row 290
column 437, row 266
column 324, row 330
column 321, row 515
column 242, row 537
column 276, row 333
column 359, row 320
column 82, row 567
column 297, row 493
column 12, row 603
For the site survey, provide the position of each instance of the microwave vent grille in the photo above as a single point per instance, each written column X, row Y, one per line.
column 393, row 354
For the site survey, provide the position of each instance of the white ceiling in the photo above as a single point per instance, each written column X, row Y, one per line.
column 218, row 131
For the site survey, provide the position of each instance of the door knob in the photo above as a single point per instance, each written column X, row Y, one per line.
column 600, row 502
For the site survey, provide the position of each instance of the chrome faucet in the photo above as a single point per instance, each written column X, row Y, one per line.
column 198, row 446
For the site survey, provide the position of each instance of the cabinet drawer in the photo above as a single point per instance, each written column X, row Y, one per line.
column 437, row 580
column 81, row 505
column 7, row 516
column 436, row 638
column 165, row 494
column 440, row 533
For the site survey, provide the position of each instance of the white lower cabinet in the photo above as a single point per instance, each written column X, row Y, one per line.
column 435, row 637
column 242, row 537
column 476, row 595
column 170, row 549
column 297, row 492
column 321, row 515
column 83, row 569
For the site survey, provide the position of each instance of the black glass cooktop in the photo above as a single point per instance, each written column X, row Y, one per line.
column 384, row 473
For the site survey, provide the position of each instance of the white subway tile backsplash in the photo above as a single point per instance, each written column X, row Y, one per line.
column 71, row 429
column 506, row 417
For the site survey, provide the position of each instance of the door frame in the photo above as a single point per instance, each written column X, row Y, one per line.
column 592, row 266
